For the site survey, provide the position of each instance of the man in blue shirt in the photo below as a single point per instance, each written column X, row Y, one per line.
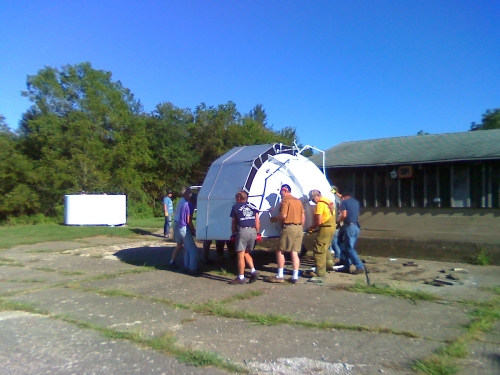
column 245, row 226
column 168, row 209
column 349, row 214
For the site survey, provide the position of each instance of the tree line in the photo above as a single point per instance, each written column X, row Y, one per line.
column 87, row 132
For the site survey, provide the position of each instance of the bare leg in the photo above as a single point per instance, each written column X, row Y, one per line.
column 295, row 260
column 241, row 262
column 174, row 254
column 280, row 259
column 249, row 260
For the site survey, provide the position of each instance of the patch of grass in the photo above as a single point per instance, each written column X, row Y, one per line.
column 71, row 273
column 223, row 272
column 6, row 305
column 242, row 296
column 444, row 361
column 481, row 258
column 10, row 262
column 188, row 320
column 436, row 365
column 30, row 234
column 35, row 251
column 413, row 295
column 27, row 281
column 96, row 256
column 45, row 269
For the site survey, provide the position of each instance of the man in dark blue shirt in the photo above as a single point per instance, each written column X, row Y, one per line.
column 245, row 226
column 349, row 214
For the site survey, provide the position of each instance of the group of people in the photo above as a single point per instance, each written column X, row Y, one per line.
column 336, row 223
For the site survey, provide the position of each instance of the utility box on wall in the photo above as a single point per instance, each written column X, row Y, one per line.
column 95, row 209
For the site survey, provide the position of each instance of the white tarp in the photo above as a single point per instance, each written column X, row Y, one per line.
column 260, row 171
column 95, row 209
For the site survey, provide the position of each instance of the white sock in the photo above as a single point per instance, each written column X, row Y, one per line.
column 295, row 274
column 280, row 272
column 241, row 277
column 252, row 270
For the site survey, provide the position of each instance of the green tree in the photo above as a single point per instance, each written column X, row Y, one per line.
column 16, row 195
column 84, row 131
column 491, row 120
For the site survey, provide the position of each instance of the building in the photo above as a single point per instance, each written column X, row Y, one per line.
column 435, row 187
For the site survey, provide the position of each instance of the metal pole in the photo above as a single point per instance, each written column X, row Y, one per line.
column 452, row 199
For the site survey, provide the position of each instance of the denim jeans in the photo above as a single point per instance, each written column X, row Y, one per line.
column 335, row 244
column 190, row 252
column 166, row 226
column 350, row 236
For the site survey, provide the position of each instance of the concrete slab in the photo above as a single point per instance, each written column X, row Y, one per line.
column 34, row 344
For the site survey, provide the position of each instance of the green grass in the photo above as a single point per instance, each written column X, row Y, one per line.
column 71, row 273
column 481, row 258
column 166, row 343
column 45, row 269
column 413, row 295
column 11, row 236
column 484, row 316
column 10, row 262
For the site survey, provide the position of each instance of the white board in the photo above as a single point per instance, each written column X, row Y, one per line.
column 95, row 209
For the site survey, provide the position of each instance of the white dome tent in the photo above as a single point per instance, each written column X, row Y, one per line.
column 260, row 171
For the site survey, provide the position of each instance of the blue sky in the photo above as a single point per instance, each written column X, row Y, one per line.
column 335, row 70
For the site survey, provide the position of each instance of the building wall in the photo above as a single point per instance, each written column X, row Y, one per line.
column 434, row 185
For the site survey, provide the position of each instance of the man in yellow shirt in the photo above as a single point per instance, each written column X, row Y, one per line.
column 324, row 219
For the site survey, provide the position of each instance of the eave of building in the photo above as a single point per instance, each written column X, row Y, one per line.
column 420, row 149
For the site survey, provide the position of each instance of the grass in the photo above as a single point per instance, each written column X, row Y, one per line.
column 413, row 295
column 26, row 281
column 11, row 236
column 223, row 272
column 481, row 258
column 45, row 269
column 166, row 343
column 10, row 262
column 71, row 273
column 484, row 316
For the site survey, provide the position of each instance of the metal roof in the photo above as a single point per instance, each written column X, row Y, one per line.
column 472, row 145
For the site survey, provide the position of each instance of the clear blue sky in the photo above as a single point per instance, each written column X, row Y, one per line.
column 337, row 70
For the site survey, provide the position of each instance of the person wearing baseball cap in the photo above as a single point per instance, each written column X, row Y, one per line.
column 168, row 209
column 292, row 218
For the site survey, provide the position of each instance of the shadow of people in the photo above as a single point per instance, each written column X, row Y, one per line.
column 157, row 257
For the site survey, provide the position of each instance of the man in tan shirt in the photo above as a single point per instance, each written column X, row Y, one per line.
column 292, row 219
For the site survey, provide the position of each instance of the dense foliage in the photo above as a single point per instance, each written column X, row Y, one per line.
column 491, row 120
column 86, row 132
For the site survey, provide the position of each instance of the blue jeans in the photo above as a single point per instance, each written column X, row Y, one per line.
column 335, row 244
column 166, row 226
column 349, row 254
column 183, row 236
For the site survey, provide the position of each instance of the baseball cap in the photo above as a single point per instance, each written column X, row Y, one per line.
column 169, row 192
column 287, row 187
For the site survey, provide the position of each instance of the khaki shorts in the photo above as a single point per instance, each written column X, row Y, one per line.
column 291, row 238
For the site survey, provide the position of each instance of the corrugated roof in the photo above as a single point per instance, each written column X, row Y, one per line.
column 473, row 145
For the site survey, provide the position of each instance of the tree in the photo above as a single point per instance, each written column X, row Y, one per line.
column 491, row 120
column 16, row 195
column 84, row 131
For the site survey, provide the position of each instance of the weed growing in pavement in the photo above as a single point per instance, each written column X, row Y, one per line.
column 242, row 296
column 45, row 269
column 27, row 281
column 71, row 273
column 444, row 361
column 223, row 272
column 188, row 320
column 413, row 295
column 481, row 258
column 6, row 305
column 10, row 262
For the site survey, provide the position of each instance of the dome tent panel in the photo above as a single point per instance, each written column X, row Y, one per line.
column 260, row 171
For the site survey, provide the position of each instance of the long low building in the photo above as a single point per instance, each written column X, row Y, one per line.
column 425, row 190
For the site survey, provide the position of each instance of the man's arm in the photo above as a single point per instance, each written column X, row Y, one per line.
column 233, row 226
column 190, row 223
column 257, row 222
column 282, row 215
column 343, row 215
column 165, row 209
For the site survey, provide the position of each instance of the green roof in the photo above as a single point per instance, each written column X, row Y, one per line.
column 472, row 145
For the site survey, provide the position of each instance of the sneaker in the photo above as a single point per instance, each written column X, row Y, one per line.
column 173, row 266
column 253, row 277
column 293, row 281
column 166, row 235
column 237, row 281
column 275, row 279
column 358, row 271
column 343, row 270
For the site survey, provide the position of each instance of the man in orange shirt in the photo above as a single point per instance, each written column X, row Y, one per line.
column 292, row 219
